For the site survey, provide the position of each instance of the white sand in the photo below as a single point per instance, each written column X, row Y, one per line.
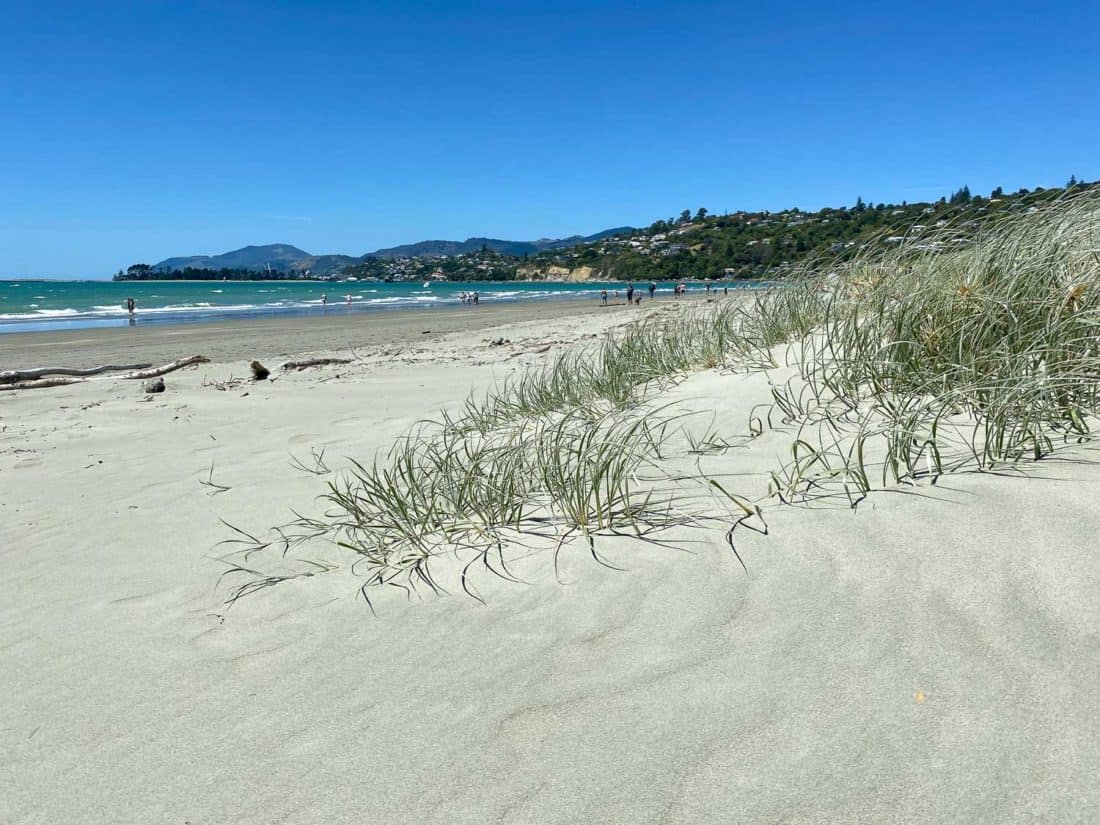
column 927, row 658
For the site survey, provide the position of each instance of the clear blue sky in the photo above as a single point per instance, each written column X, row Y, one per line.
column 132, row 131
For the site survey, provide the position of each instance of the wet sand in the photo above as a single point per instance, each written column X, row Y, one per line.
column 273, row 338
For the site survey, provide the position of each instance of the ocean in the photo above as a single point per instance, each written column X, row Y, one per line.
column 33, row 305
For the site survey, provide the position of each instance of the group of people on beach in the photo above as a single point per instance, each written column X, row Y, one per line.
column 633, row 298
column 470, row 297
column 631, row 294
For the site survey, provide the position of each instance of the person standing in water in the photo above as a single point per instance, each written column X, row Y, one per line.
column 324, row 299
column 629, row 294
column 130, row 304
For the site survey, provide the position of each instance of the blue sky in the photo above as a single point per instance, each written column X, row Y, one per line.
column 136, row 131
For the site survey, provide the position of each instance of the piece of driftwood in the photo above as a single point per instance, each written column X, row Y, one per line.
column 41, row 383
column 314, row 362
column 63, row 379
column 12, row 376
column 167, row 368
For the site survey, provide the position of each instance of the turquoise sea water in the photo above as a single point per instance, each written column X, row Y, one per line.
column 29, row 305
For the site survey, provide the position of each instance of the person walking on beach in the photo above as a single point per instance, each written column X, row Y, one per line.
column 477, row 297
column 652, row 289
column 603, row 295
column 629, row 294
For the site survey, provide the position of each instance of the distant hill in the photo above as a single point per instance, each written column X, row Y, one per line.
column 279, row 256
column 286, row 258
column 741, row 244
column 514, row 248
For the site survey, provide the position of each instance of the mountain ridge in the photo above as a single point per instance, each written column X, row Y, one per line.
column 289, row 258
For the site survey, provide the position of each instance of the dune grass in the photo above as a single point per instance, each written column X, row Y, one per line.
column 956, row 350
column 966, row 347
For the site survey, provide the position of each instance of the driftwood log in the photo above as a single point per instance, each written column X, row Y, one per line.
column 167, row 368
column 41, row 383
column 12, row 376
column 314, row 362
column 60, row 374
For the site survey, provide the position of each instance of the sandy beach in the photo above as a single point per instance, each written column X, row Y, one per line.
column 929, row 657
column 274, row 337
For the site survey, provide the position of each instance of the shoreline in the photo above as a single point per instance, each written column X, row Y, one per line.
column 274, row 337
column 72, row 306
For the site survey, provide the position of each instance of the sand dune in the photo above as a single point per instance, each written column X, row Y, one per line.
column 931, row 656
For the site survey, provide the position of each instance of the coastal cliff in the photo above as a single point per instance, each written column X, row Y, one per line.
column 577, row 274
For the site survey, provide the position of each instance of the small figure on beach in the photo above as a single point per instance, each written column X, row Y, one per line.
column 708, row 287
column 324, row 299
column 477, row 296
column 603, row 295
column 629, row 294
column 652, row 289
column 347, row 300
column 726, row 289
column 130, row 305
column 638, row 301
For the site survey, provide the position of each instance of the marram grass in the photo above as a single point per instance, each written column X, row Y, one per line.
column 970, row 346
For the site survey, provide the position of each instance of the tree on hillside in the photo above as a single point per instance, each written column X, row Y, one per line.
column 997, row 193
column 1072, row 182
column 860, row 205
column 685, row 216
column 700, row 213
column 961, row 196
